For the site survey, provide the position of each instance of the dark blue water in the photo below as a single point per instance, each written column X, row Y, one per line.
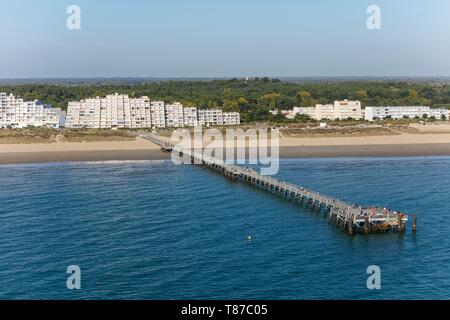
column 153, row 230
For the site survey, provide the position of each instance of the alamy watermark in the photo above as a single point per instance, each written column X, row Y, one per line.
column 74, row 279
column 254, row 147
column 73, row 22
column 374, row 19
column 374, row 280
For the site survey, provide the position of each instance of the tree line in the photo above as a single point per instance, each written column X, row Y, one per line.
column 252, row 98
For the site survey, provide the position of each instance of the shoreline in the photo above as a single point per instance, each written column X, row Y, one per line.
column 286, row 152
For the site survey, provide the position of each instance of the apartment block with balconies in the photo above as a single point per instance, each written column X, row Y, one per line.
column 190, row 117
column 174, row 115
column 158, row 114
column 346, row 109
column 373, row 113
column 210, row 117
column 17, row 113
column 231, row 118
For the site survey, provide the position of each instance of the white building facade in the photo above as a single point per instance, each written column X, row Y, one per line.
column 404, row 112
column 174, row 115
column 346, row 109
column 190, row 117
column 210, row 117
column 83, row 114
column 113, row 111
column 17, row 113
column 340, row 110
column 324, row 111
column 158, row 114
column 231, row 119
column 121, row 111
column 139, row 113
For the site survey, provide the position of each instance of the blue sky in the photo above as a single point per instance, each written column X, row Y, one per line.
column 224, row 38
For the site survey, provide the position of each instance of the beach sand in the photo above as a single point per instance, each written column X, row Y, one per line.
column 418, row 144
column 400, row 139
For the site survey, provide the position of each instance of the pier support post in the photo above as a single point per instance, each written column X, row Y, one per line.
column 366, row 225
column 350, row 227
column 401, row 225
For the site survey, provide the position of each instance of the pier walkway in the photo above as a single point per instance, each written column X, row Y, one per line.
column 352, row 218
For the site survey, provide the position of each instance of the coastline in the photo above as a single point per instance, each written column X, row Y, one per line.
column 286, row 152
column 401, row 145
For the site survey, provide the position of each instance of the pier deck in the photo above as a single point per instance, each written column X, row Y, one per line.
column 352, row 218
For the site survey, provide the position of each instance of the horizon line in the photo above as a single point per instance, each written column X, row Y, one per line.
column 225, row 77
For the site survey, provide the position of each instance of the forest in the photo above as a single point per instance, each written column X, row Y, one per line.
column 253, row 98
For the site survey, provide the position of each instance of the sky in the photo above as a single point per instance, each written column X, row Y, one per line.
column 224, row 38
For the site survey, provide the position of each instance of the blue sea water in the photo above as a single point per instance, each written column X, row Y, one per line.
column 152, row 230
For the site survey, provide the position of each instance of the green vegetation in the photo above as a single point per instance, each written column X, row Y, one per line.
column 44, row 135
column 91, row 135
column 253, row 99
column 37, row 135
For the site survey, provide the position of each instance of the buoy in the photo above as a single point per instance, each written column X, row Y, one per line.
column 249, row 238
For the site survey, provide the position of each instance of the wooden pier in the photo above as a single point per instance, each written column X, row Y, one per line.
column 351, row 218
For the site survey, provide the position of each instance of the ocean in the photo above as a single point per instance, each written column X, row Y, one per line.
column 153, row 230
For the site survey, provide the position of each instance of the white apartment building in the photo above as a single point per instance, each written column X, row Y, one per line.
column 438, row 113
column 209, row 117
column 84, row 114
column 158, row 112
column 174, row 115
column 340, row 110
column 231, row 118
column 18, row 113
column 347, row 109
column 113, row 111
column 401, row 112
column 324, row 111
column 53, row 117
column 190, row 117
column 121, row 111
column 137, row 113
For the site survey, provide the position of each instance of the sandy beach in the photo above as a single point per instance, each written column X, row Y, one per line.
column 401, row 139
column 139, row 149
column 425, row 143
